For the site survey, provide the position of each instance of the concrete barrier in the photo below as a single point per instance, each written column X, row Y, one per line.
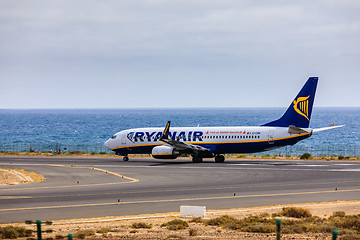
column 193, row 211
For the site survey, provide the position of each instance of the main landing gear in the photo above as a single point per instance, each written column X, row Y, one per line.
column 219, row 158
column 197, row 159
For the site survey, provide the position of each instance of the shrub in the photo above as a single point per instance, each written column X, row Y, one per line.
column 260, row 228
column 93, row 153
column 351, row 237
column 351, row 222
column 192, row 232
column 14, row 232
column 306, row 156
column 296, row 212
column 339, row 214
column 134, row 231
column 10, row 232
column 84, row 233
column 103, row 230
column 341, row 157
column 176, row 224
column 59, row 237
column 74, row 152
column 222, row 221
column 297, row 228
column 241, row 156
column 264, row 215
column 141, row 225
column 102, row 153
column 197, row 220
column 278, row 214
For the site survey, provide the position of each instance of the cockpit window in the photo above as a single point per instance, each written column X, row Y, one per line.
column 113, row 137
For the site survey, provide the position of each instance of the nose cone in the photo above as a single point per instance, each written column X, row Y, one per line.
column 108, row 143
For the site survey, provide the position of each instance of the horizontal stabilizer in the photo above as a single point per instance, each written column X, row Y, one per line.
column 296, row 130
column 326, row 128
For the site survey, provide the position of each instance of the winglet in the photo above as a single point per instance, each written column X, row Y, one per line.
column 165, row 134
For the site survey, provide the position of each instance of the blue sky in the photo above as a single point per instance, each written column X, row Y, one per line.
column 150, row 54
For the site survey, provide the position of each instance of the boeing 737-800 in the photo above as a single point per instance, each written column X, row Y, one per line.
column 209, row 142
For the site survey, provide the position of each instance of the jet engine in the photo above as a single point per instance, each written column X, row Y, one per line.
column 164, row 152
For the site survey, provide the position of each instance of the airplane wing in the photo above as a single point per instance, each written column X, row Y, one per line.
column 179, row 145
column 326, row 128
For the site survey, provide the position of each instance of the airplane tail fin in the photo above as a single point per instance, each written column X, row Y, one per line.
column 299, row 112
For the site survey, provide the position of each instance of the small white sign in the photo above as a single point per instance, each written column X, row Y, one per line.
column 193, row 211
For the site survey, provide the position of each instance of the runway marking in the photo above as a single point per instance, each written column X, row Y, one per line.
column 98, row 169
column 178, row 190
column 178, row 200
column 132, row 180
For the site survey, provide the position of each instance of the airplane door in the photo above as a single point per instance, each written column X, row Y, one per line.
column 271, row 137
column 123, row 140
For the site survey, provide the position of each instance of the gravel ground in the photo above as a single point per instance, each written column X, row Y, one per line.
column 116, row 227
column 9, row 176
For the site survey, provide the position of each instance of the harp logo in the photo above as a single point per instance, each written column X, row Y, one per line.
column 301, row 106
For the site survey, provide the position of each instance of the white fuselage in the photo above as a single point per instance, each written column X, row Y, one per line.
column 218, row 139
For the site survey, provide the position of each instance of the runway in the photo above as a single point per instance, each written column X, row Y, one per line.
column 97, row 187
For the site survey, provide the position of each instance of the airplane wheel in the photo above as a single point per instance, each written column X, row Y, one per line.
column 126, row 158
column 219, row 158
column 197, row 159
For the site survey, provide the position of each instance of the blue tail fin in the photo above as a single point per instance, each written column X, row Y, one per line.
column 299, row 112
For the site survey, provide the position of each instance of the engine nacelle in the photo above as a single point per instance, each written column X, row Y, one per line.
column 164, row 152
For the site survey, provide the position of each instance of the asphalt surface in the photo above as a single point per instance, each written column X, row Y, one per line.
column 97, row 187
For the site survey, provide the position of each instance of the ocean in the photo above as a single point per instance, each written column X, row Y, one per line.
column 87, row 129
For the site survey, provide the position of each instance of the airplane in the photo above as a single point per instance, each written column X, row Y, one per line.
column 215, row 142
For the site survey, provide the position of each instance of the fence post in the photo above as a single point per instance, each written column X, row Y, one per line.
column 278, row 229
column 38, row 227
column 335, row 233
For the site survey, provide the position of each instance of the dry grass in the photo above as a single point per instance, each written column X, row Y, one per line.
column 176, row 224
column 295, row 212
column 141, row 225
column 18, row 176
column 11, row 232
column 82, row 234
